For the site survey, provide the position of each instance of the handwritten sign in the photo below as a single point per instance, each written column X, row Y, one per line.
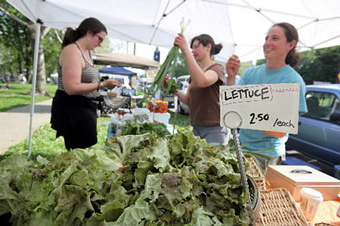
column 271, row 107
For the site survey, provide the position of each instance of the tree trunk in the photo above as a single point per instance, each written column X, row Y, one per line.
column 41, row 73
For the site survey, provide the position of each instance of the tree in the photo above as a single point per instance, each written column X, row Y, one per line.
column 14, row 39
column 320, row 65
column 52, row 47
column 181, row 68
column 21, row 26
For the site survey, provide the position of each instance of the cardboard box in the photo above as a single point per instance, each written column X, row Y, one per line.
column 293, row 178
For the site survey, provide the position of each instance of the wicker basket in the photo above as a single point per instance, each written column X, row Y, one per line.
column 322, row 224
column 279, row 208
column 255, row 173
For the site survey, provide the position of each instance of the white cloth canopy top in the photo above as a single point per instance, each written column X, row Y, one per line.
column 240, row 25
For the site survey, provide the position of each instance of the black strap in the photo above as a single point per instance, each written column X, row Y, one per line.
column 81, row 52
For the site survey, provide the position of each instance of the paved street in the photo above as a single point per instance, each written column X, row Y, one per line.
column 15, row 123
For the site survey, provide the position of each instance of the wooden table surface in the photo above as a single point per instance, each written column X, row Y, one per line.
column 326, row 212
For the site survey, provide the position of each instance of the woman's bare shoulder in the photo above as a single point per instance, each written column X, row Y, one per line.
column 70, row 53
column 70, row 49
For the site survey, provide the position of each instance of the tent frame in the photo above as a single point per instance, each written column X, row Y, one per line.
column 34, row 81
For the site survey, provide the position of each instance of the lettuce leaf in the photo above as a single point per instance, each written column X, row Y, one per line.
column 135, row 180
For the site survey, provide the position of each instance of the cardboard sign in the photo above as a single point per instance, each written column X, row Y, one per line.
column 271, row 107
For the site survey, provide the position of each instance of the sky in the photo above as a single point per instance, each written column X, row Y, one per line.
column 138, row 49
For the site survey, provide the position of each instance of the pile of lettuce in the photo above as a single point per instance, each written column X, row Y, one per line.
column 135, row 127
column 137, row 180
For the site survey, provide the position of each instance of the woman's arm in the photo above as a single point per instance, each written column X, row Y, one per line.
column 183, row 97
column 198, row 76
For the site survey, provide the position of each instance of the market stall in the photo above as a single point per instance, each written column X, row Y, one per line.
column 290, row 195
column 279, row 198
column 155, row 117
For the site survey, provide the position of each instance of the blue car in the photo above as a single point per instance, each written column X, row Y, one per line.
column 319, row 130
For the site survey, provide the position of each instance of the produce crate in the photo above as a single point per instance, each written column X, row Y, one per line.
column 255, row 173
column 279, row 208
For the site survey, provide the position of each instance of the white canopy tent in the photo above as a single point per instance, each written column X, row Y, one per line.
column 240, row 25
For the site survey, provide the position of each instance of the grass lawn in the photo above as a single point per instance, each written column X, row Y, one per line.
column 19, row 95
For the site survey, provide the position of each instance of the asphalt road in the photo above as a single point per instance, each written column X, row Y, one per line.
column 15, row 123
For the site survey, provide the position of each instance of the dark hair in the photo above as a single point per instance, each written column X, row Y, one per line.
column 205, row 39
column 291, row 34
column 89, row 24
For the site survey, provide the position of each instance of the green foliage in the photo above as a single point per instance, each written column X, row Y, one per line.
column 135, row 127
column 105, row 47
column 165, row 69
column 46, row 145
column 180, row 68
column 179, row 120
column 317, row 65
column 320, row 65
column 170, row 87
column 52, row 48
column 19, row 95
column 136, row 180
column 15, row 39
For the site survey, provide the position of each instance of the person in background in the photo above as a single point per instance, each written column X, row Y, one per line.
column 281, row 58
column 202, row 95
column 75, row 104
column 8, row 85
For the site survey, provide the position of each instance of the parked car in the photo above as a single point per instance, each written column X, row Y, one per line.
column 183, row 83
column 319, row 130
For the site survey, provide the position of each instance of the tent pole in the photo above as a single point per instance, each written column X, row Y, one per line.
column 34, row 79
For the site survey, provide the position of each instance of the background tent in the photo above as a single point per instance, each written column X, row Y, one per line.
column 117, row 71
column 124, row 60
column 121, row 74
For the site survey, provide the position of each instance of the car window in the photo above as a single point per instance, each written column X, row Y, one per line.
column 321, row 105
column 183, row 83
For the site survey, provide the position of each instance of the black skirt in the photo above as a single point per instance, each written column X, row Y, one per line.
column 75, row 118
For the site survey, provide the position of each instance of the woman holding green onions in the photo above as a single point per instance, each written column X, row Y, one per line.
column 202, row 95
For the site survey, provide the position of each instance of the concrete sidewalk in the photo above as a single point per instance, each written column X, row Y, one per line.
column 15, row 123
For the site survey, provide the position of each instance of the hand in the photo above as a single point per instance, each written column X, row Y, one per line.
column 232, row 66
column 181, row 42
column 176, row 92
column 111, row 83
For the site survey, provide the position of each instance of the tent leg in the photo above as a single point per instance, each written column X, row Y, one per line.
column 34, row 80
